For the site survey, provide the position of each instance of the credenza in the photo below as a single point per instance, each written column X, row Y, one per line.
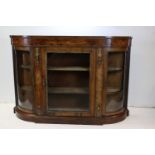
column 71, row 79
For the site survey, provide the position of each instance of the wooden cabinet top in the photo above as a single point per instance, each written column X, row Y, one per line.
column 77, row 41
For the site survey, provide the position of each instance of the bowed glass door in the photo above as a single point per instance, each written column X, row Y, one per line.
column 24, row 79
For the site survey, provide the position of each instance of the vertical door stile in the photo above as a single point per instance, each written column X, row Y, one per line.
column 105, row 70
column 44, row 78
column 99, row 82
column 92, row 81
column 38, row 82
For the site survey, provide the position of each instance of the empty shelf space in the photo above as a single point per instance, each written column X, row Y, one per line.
column 25, row 66
column 112, row 69
column 68, row 68
column 27, row 88
column 68, row 102
column 68, row 90
column 113, row 90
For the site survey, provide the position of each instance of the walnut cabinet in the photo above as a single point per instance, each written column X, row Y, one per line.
column 71, row 79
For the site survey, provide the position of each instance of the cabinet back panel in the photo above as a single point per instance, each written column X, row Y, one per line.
column 116, row 60
column 68, row 79
column 67, row 59
column 115, row 80
column 23, row 57
column 68, row 102
column 24, row 77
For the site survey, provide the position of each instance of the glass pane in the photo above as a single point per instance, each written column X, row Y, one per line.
column 68, row 81
column 24, row 70
column 68, row 102
column 115, row 81
column 67, row 59
column 114, row 102
column 116, row 60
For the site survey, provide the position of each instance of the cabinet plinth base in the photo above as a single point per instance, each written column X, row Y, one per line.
column 71, row 120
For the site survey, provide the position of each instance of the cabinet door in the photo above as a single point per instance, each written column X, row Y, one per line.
column 23, row 77
column 116, row 82
column 69, row 81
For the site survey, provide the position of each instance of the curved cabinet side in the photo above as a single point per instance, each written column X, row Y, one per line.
column 117, row 64
column 23, row 69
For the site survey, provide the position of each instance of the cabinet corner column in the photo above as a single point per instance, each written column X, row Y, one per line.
column 99, row 82
column 39, row 107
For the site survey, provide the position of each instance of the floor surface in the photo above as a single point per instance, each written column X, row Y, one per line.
column 140, row 118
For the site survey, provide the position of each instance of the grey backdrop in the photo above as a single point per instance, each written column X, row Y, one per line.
column 142, row 70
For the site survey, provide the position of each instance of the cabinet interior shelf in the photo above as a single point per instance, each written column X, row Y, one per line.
column 25, row 66
column 114, row 69
column 69, row 109
column 26, row 88
column 68, row 90
column 76, row 90
column 113, row 90
column 68, row 68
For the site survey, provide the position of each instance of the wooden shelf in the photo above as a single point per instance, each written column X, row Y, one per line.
column 27, row 88
column 25, row 66
column 113, row 90
column 68, row 68
column 116, row 49
column 76, row 109
column 112, row 69
column 68, row 90
column 23, row 49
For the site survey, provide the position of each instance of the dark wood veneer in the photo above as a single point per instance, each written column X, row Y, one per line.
column 71, row 79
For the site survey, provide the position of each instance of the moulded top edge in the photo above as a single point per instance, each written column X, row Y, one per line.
column 42, row 36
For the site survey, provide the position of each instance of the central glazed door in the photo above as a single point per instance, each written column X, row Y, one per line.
column 69, row 81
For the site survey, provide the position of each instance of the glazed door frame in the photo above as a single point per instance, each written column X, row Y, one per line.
column 23, row 92
column 44, row 53
column 124, row 81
